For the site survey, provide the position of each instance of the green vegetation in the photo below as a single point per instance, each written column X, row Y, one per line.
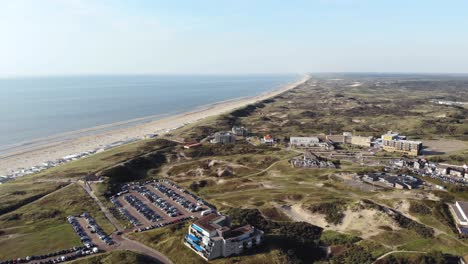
column 333, row 211
column 434, row 257
column 353, row 254
column 121, row 257
column 330, row 237
column 40, row 227
column 16, row 194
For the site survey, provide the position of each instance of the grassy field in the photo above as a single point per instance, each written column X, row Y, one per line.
column 119, row 256
column 16, row 194
column 41, row 227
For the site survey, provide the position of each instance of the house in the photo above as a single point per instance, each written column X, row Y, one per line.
column 223, row 138
column 240, row 131
column 212, row 237
column 370, row 178
column 456, row 172
column 268, row 139
column 417, row 165
column 191, row 145
column 304, row 142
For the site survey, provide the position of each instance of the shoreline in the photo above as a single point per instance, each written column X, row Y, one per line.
column 38, row 151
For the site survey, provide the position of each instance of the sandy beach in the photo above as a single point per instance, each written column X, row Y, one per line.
column 54, row 148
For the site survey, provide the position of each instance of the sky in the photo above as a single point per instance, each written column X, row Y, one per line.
column 73, row 37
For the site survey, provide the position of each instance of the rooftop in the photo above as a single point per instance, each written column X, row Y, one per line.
column 211, row 222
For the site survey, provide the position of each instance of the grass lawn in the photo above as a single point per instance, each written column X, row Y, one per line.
column 40, row 227
column 442, row 243
column 14, row 194
column 118, row 256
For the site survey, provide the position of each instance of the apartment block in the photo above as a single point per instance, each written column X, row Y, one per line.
column 394, row 142
column 212, row 237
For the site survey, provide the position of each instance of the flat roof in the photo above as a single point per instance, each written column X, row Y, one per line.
column 208, row 222
column 463, row 206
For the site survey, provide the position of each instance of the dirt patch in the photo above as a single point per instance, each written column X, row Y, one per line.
column 404, row 195
column 364, row 223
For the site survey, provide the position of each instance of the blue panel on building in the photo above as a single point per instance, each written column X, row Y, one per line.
column 197, row 247
column 194, row 238
column 197, row 228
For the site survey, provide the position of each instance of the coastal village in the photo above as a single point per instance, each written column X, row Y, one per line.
column 394, row 162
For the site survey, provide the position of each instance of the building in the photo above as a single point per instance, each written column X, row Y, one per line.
column 304, row 142
column 394, row 142
column 310, row 160
column 460, row 214
column 192, row 145
column 268, row 139
column 394, row 181
column 212, row 237
column 361, row 141
column 240, row 131
column 340, row 139
column 348, row 138
column 223, row 138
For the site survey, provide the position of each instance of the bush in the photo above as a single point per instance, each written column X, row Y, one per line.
column 335, row 238
column 249, row 216
column 333, row 211
column 419, row 208
column 355, row 254
column 300, row 232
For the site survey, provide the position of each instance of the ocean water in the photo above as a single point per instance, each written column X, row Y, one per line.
column 35, row 108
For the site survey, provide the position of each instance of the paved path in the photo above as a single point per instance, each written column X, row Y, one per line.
column 397, row 251
column 104, row 209
column 132, row 245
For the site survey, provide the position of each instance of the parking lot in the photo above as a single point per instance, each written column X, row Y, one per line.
column 155, row 204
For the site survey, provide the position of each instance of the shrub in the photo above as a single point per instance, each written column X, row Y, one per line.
column 333, row 211
column 419, row 208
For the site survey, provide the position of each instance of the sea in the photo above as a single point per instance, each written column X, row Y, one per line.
column 37, row 108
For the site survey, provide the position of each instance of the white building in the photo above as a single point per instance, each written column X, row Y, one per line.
column 212, row 237
column 223, row 138
column 240, row 131
column 304, row 142
column 460, row 213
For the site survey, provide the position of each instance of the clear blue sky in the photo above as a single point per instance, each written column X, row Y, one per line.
column 56, row 37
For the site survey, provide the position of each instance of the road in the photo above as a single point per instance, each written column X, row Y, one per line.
column 104, row 209
column 132, row 245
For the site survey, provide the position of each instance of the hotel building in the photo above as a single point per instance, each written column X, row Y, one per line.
column 212, row 237
column 394, row 142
